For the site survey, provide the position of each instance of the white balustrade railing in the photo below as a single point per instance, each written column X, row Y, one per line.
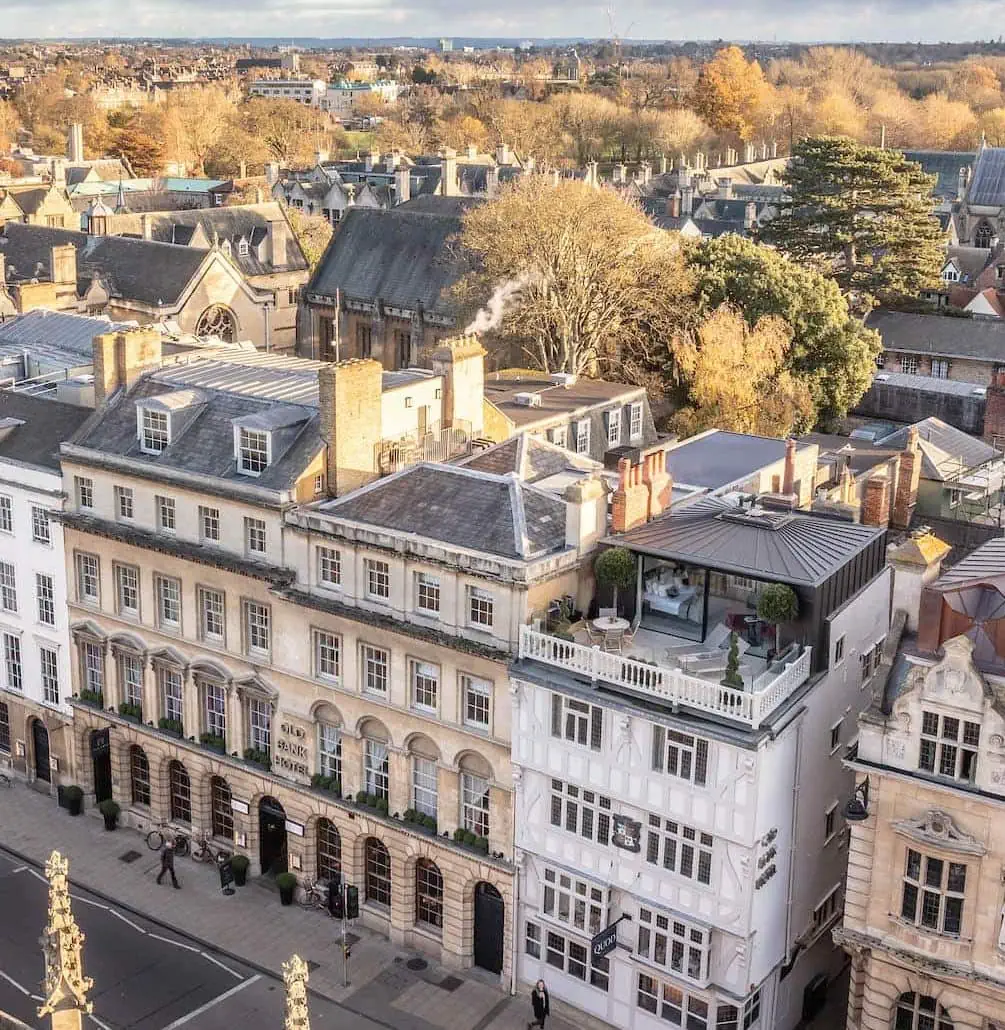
column 670, row 685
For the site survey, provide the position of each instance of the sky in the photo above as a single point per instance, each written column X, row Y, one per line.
column 796, row 20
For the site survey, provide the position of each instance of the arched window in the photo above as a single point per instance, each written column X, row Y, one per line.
column 377, row 882
column 983, row 235
column 428, row 893
column 139, row 776
column 181, row 793
column 222, row 812
column 329, row 850
column 217, row 320
column 920, row 1012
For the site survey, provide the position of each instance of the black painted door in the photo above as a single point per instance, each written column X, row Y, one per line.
column 101, row 760
column 489, row 920
column 272, row 836
column 40, row 745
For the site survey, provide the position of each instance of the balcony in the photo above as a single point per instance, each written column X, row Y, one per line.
column 765, row 688
column 435, row 444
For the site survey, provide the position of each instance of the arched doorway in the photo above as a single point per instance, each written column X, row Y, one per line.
column 101, row 765
column 40, row 747
column 271, row 836
column 490, row 912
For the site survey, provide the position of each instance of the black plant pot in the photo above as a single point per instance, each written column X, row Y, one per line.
column 75, row 805
column 240, row 876
column 286, row 895
column 111, row 821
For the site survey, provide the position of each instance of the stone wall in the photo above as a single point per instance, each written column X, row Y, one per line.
column 902, row 404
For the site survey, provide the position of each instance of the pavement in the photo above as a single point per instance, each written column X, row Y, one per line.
column 164, row 958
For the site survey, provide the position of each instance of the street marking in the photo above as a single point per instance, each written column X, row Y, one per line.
column 128, row 922
column 217, row 962
column 167, row 940
column 14, row 983
column 37, row 875
column 19, row 869
column 94, row 1019
column 87, row 901
column 213, row 1001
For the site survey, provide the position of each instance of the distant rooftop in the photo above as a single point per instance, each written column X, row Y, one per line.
column 716, row 460
column 502, row 388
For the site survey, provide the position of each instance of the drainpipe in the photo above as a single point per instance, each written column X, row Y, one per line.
column 518, row 867
column 268, row 330
column 792, row 842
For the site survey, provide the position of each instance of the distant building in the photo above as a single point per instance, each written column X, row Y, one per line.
column 342, row 98
column 446, row 46
column 305, row 91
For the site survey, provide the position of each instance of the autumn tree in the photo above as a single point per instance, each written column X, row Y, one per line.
column 292, row 132
column 730, row 92
column 861, row 215
column 831, row 351
column 142, row 152
column 579, row 268
column 736, row 378
column 312, row 232
column 193, row 120
column 9, row 122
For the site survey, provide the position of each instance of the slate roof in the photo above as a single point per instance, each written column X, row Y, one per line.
column 143, row 270
column 803, row 549
column 529, row 458
column 946, row 164
column 859, row 455
column 46, row 425
column 501, row 389
column 205, row 444
column 985, row 562
column 460, row 507
column 945, row 449
column 241, row 221
column 62, row 330
column 940, row 335
column 436, row 204
column 971, row 261
column 404, row 258
column 719, row 459
column 987, row 187
column 928, row 384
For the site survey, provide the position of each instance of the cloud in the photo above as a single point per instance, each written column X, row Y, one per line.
column 794, row 20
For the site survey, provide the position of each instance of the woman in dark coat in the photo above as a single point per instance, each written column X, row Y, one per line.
column 540, row 1003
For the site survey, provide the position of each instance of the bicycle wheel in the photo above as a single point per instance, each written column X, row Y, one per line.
column 182, row 845
column 155, row 840
column 201, row 852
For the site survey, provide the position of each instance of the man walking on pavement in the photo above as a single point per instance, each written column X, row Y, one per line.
column 167, row 864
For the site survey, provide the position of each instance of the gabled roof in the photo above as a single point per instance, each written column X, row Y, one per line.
column 987, row 188
column 946, row 451
column 946, row 164
column 404, row 258
column 940, row 335
column 142, row 270
column 971, row 261
column 458, row 506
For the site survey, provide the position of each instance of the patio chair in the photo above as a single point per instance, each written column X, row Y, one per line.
column 613, row 639
column 594, row 636
column 607, row 613
column 628, row 637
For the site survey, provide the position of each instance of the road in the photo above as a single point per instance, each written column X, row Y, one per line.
column 145, row 977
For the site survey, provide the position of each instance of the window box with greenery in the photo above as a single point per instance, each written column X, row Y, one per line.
column 172, row 727
column 378, row 804
column 420, row 820
column 213, row 743
column 615, row 568
column 92, row 697
column 73, row 797
column 109, row 810
column 778, row 605
column 287, row 884
column 134, row 713
column 239, row 865
column 256, row 756
column 471, row 840
column 327, row 784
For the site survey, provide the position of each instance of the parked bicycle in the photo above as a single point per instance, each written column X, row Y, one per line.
column 314, row 894
column 205, row 851
column 164, row 831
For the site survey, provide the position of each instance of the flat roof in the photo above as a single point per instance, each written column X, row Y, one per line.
column 717, row 458
column 556, row 399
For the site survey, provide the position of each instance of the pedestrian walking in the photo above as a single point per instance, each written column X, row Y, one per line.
column 167, row 865
column 541, row 1005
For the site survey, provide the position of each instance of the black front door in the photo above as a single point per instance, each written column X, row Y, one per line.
column 40, row 745
column 489, row 916
column 101, row 760
column 272, row 836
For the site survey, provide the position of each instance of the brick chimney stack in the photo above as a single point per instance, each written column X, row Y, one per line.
column 658, row 482
column 461, row 362
column 448, row 172
column 789, row 472
column 120, row 358
column 630, row 504
column 994, row 410
column 876, row 502
column 402, row 185
column 908, row 476
column 673, row 204
column 349, row 396
column 749, row 215
column 63, row 263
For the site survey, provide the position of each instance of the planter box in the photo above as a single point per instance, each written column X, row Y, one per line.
column 219, row 749
column 177, row 734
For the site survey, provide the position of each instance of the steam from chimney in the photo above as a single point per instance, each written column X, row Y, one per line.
column 491, row 316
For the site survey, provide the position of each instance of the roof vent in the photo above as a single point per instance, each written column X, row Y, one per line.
column 979, row 391
column 527, row 400
column 565, row 379
column 881, row 377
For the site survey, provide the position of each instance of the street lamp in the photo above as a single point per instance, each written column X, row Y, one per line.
column 857, row 808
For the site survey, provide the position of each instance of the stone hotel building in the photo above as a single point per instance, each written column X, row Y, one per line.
column 301, row 659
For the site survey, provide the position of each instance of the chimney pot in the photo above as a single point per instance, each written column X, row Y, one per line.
column 789, row 475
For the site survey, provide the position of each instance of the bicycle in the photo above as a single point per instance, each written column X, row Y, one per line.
column 314, row 895
column 6, row 777
column 204, row 851
column 155, row 839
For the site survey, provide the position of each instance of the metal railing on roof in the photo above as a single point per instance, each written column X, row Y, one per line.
column 436, row 444
column 672, row 686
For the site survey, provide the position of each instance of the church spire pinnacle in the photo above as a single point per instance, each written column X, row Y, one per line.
column 295, row 977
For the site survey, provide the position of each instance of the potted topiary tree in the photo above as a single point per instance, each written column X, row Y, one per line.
column 777, row 604
column 615, row 568
column 239, row 865
column 109, row 810
column 287, row 884
column 74, row 798
column 733, row 677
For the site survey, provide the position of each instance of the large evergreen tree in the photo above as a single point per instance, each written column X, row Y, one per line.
column 862, row 216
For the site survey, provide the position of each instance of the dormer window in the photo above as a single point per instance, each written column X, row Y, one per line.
column 242, row 248
column 253, row 451
column 154, row 430
column 949, row 746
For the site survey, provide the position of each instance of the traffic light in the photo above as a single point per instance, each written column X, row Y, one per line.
column 352, row 902
column 336, row 905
